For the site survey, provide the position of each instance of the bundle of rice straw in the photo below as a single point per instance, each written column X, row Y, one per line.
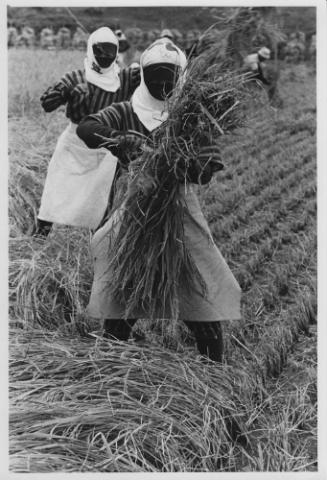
column 148, row 258
column 49, row 282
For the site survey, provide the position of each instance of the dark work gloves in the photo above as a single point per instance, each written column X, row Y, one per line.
column 201, row 167
column 76, row 98
column 129, row 141
column 54, row 97
column 95, row 134
column 128, row 147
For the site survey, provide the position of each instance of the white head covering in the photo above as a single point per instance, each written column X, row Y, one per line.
column 107, row 78
column 150, row 111
column 264, row 52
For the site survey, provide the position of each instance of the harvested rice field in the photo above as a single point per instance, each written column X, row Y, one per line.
column 80, row 403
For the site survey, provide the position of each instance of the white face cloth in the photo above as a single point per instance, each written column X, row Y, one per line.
column 108, row 78
column 150, row 111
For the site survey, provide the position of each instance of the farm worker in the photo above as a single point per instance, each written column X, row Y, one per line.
column 150, row 36
column 265, row 72
column 78, row 181
column 161, row 65
column 63, row 38
column 177, row 36
column 80, row 39
column 255, row 63
column 12, row 36
column 47, row 39
column 191, row 44
column 26, row 38
column 124, row 46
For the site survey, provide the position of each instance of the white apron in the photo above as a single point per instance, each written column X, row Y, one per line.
column 78, row 182
column 223, row 298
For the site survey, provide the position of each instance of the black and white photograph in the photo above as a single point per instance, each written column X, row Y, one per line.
column 162, row 238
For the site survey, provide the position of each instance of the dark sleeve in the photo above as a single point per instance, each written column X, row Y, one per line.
column 261, row 76
column 133, row 79
column 106, row 123
column 78, row 103
column 58, row 94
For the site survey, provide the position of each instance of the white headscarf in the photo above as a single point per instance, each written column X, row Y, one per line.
column 108, row 78
column 150, row 111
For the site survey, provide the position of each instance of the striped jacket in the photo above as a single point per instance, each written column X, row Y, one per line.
column 83, row 98
column 119, row 119
column 110, row 123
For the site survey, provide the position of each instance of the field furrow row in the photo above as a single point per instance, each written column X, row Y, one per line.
column 237, row 226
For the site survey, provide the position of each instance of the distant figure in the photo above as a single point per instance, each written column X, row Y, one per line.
column 135, row 36
column 156, row 33
column 281, row 46
column 295, row 48
column 264, row 72
column 130, row 57
column 255, row 62
column 12, row 36
column 80, row 39
column 63, row 38
column 177, row 37
column 26, row 38
column 190, row 44
column 123, row 48
column 47, row 39
column 149, row 37
column 313, row 46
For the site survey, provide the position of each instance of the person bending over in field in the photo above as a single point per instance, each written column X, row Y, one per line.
column 78, row 181
column 161, row 65
column 255, row 62
column 263, row 71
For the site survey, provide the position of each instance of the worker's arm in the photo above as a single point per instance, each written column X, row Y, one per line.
column 59, row 93
column 199, row 167
column 106, row 129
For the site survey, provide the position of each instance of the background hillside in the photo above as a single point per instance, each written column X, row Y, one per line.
column 182, row 18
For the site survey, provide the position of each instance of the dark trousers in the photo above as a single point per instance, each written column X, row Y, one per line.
column 208, row 335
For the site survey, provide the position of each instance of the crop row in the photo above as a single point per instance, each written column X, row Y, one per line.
column 254, row 225
column 251, row 258
column 244, row 183
column 241, row 212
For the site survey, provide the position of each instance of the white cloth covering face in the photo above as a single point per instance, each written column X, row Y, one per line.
column 108, row 78
column 150, row 111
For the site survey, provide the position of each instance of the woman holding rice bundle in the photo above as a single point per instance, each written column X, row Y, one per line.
column 202, row 309
column 78, row 181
